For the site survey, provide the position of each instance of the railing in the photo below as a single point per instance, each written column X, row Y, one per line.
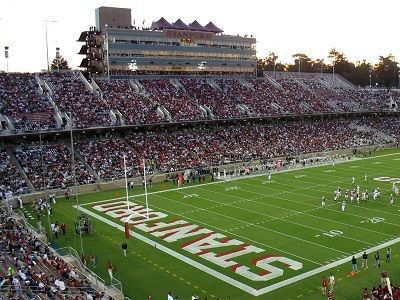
column 94, row 278
column 40, row 229
column 82, row 269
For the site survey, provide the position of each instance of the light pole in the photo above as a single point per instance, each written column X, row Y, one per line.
column 299, row 65
column 58, row 58
column 370, row 79
column 47, row 43
column 6, row 55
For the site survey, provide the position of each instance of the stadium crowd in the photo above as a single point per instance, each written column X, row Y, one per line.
column 30, row 269
column 134, row 107
column 52, row 162
column 179, row 104
column 172, row 150
column 30, row 105
column 21, row 99
column 11, row 181
column 71, row 96
column 106, row 158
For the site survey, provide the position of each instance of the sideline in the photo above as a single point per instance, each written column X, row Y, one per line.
column 243, row 177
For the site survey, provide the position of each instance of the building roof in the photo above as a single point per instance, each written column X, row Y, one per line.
column 179, row 24
column 196, row 26
column 162, row 24
column 211, row 27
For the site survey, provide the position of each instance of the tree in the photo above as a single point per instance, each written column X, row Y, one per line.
column 318, row 66
column 60, row 64
column 363, row 74
column 386, row 71
column 269, row 64
column 340, row 64
column 302, row 63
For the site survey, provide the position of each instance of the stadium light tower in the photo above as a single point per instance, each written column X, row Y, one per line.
column 107, row 57
column 47, row 22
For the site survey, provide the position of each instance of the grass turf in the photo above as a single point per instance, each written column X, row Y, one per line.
column 284, row 217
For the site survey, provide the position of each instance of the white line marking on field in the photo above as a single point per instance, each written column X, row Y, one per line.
column 228, row 279
column 244, row 177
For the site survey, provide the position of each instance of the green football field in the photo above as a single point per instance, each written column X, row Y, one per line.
column 246, row 238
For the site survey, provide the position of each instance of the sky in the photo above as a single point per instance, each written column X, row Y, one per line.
column 361, row 29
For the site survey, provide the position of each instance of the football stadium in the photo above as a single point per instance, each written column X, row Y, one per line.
column 176, row 162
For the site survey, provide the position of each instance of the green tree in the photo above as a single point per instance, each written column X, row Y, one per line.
column 269, row 64
column 387, row 71
column 363, row 74
column 60, row 63
column 340, row 64
column 302, row 63
column 318, row 66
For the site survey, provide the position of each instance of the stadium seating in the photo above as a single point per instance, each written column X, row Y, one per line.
column 205, row 94
column 71, row 96
column 177, row 102
column 11, row 182
column 52, row 162
column 29, row 269
column 21, row 99
column 106, row 158
column 135, row 108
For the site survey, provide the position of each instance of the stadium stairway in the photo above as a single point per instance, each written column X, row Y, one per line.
column 213, row 84
column 139, row 88
column 325, row 84
column 273, row 82
column 303, row 85
column 179, row 84
column 88, row 167
column 247, row 84
column 88, row 86
column 23, row 175
column 377, row 133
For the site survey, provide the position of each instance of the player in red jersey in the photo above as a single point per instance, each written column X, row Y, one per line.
column 324, row 284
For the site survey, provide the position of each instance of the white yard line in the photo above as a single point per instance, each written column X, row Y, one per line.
column 292, row 222
column 324, row 268
column 249, row 176
column 228, row 279
column 175, row 254
column 309, row 196
column 225, row 230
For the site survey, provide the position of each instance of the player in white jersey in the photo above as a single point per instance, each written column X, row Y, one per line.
column 358, row 189
column 358, row 198
column 339, row 191
column 269, row 176
column 343, row 205
column 375, row 194
column 353, row 180
column 352, row 196
column 395, row 189
column 346, row 195
column 391, row 201
column 364, row 196
column 365, row 177
column 323, row 202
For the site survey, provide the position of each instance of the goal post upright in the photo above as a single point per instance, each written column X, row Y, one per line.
column 126, row 183
column 145, row 186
